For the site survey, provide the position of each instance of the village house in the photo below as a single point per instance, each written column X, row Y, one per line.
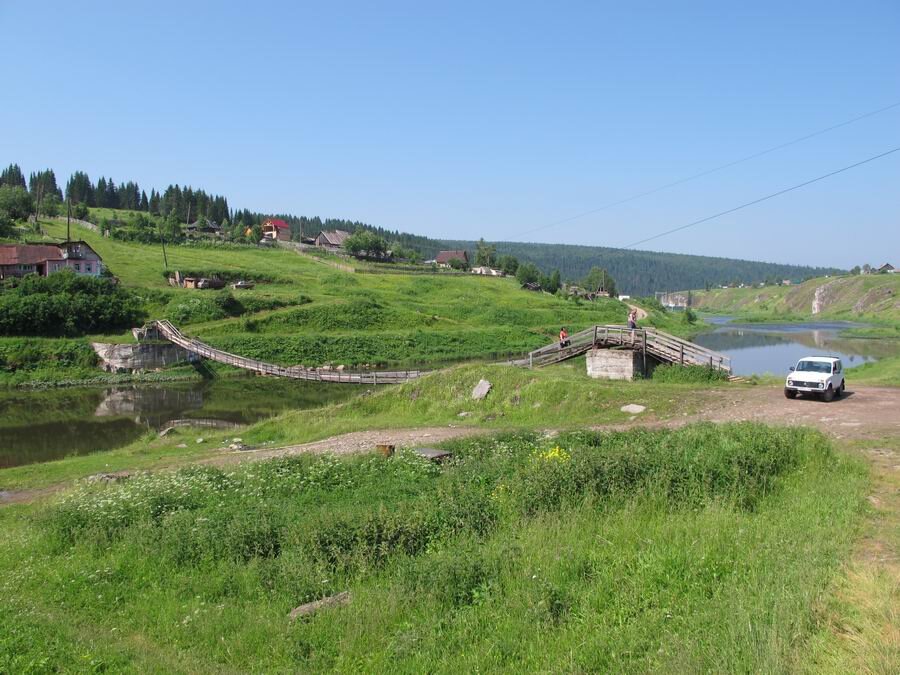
column 331, row 239
column 17, row 260
column 275, row 229
column 887, row 268
column 444, row 257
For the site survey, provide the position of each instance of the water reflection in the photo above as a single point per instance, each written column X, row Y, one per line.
column 37, row 426
column 758, row 348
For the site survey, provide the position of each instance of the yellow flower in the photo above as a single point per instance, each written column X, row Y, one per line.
column 556, row 454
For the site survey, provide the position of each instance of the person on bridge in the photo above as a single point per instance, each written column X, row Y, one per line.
column 563, row 337
column 632, row 322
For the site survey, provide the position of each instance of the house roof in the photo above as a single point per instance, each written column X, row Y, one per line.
column 28, row 254
column 886, row 266
column 446, row 256
column 278, row 223
column 334, row 237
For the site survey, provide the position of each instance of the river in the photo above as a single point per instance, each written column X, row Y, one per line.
column 760, row 348
column 42, row 425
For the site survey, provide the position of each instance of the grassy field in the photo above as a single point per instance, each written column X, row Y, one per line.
column 303, row 311
column 703, row 549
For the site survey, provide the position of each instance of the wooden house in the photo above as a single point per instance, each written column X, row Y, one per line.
column 275, row 229
column 331, row 239
column 444, row 257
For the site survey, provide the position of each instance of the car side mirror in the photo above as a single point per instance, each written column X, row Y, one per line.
column 791, row 369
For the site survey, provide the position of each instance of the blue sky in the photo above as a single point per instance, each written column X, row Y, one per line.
column 480, row 119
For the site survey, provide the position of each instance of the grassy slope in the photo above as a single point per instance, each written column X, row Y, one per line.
column 353, row 318
column 704, row 549
column 873, row 297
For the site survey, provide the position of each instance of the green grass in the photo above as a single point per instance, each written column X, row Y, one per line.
column 347, row 318
column 559, row 397
column 703, row 549
column 884, row 372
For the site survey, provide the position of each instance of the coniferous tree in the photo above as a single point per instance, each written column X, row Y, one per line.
column 144, row 204
column 80, row 190
column 44, row 183
column 12, row 176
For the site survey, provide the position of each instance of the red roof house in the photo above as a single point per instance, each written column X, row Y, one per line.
column 17, row 260
column 276, row 228
column 444, row 257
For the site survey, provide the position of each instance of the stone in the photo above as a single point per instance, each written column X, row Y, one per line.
column 181, row 445
column 200, row 440
column 481, row 390
column 434, row 454
column 240, row 447
column 112, row 477
column 633, row 408
column 237, row 440
column 464, row 413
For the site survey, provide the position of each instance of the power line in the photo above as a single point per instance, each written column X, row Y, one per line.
column 721, row 167
column 762, row 199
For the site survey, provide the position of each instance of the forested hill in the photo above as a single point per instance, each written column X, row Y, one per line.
column 635, row 272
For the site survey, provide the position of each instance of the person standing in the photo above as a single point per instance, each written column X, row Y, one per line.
column 563, row 337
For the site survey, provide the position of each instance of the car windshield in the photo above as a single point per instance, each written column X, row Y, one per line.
column 814, row 367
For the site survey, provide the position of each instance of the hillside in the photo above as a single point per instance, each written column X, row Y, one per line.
column 303, row 311
column 872, row 297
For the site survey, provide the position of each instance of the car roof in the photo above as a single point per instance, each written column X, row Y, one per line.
column 820, row 358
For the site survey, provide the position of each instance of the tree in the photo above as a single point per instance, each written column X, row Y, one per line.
column 867, row 268
column 485, row 254
column 599, row 279
column 508, row 264
column 552, row 283
column 16, row 202
column 79, row 189
column 50, row 205
column 365, row 242
column 528, row 273
column 855, row 270
column 43, row 183
column 458, row 264
column 12, row 176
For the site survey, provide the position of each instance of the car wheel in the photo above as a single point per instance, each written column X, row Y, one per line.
column 790, row 393
column 840, row 391
column 828, row 396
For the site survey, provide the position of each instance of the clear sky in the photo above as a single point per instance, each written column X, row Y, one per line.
column 480, row 119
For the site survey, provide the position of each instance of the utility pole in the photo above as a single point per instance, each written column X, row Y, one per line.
column 162, row 240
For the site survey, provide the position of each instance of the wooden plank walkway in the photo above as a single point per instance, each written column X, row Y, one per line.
column 661, row 346
column 172, row 334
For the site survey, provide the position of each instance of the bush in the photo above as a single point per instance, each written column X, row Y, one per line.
column 689, row 374
column 66, row 304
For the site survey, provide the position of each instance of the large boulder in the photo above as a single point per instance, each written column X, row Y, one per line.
column 481, row 390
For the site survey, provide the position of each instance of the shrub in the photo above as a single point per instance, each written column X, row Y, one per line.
column 689, row 374
column 66, row 304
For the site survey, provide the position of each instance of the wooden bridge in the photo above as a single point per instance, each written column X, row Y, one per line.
column 169, row 332
column 649, row 342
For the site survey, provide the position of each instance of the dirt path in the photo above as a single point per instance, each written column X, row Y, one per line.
column 641, row 313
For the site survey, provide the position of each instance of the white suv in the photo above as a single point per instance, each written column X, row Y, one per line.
column 820, row 375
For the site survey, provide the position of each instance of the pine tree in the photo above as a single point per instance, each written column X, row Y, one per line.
column 12, row 176
column 80, row 190
column 144, row 204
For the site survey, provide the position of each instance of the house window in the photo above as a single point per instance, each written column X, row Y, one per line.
column 87, row 267
column 77, row 267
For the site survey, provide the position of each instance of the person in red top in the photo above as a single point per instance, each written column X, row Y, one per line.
column 563, row 337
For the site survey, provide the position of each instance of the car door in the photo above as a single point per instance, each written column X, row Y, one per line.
column 838, row 374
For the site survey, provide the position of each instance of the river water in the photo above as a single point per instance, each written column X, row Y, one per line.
column 37, row 426
column 760, row 348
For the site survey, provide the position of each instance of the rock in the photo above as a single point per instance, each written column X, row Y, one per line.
column 340, row 369
column 181, row 445
column 312, row 607
column 481, row 390
column 633, row 408
column 433, row 454
column 240, row 447
column 464, row 413
column 112, row 477
column 201, row 440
